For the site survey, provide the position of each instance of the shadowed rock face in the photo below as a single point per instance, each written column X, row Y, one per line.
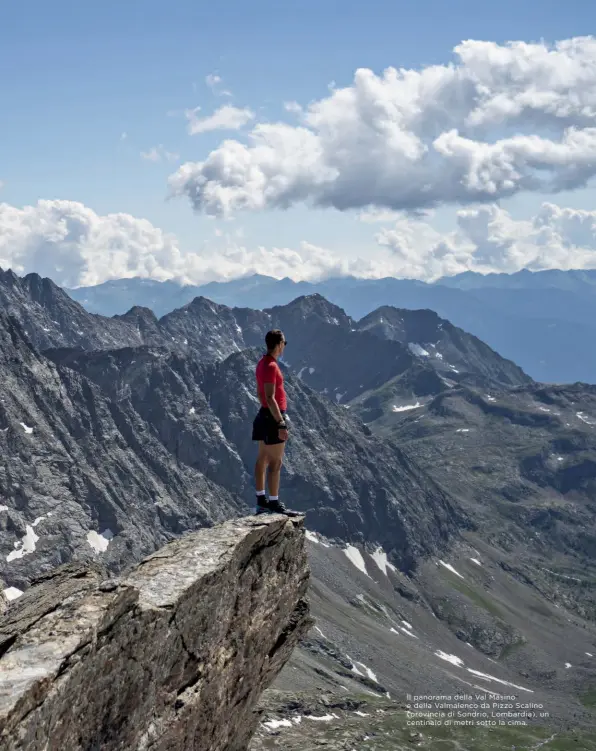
column 173, row 656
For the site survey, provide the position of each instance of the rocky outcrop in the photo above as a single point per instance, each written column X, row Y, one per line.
column 173, row 656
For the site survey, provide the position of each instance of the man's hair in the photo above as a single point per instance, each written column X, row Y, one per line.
column 273, row 338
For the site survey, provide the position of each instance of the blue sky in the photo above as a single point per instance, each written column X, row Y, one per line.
column 80, row 75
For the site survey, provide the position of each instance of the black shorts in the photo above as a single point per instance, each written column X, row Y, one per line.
column 264, row 427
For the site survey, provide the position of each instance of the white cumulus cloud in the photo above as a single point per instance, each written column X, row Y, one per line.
column 489, row 239
column 227, row 117
column 75, row 246
column 499, row 120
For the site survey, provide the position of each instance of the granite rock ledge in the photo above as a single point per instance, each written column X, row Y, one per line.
column 174, row 655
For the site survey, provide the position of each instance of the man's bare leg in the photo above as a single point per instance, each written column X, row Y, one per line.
column 272, row 462
column 261, row 467
column 275, row 455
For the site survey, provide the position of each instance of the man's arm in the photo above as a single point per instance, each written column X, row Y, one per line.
column 272, row 402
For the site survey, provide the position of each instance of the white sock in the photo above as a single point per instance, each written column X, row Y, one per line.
column 260, row 492
column 274, row 498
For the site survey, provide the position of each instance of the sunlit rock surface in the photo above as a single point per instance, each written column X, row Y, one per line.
column 174, row 655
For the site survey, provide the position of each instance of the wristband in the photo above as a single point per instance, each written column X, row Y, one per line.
column 282, row 426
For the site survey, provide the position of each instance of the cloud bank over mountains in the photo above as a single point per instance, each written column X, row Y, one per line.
column 75, row 246
column 488, row 239
column 499, row 120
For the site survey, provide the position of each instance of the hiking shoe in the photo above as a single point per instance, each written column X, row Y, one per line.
column 274, row 507
column 262, row 504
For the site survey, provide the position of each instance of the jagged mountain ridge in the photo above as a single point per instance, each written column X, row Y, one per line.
column 50, row 318
column 165, row 388
column 454, row 353
column 162, row 386
column 331, row 352
column 540, row 320
column 345, row 359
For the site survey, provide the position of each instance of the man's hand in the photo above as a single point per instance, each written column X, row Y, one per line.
column 282, row 432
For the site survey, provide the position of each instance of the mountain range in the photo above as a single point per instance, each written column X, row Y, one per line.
column 543, row 320
column 449, row 496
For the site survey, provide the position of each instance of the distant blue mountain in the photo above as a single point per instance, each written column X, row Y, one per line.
column 544, row 321
column 576, row 280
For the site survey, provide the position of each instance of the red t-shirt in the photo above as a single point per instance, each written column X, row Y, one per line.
column 268, row 371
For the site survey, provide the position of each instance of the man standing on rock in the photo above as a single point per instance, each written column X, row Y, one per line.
column 270, row 426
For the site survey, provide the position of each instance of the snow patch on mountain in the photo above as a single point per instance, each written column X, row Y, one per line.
column 355, row 557
column 453, row 659
column 450, row 568
column 487, row 677
column 322, row 718
column 100, row 542
column 12, row 593
column 418, row 350
column 406, row 407
column 26, row 546
column 368, row 672
column 316, row 538
column 380, row 558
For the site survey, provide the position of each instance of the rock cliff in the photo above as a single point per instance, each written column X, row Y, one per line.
column 174, row 655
